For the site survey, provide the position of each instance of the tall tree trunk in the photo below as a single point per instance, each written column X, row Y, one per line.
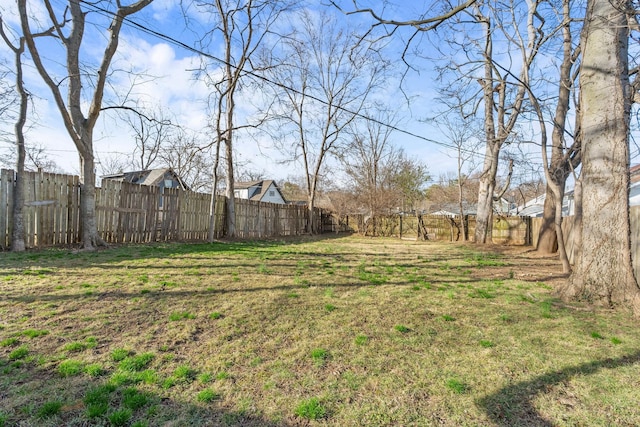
column 311, row 225
column 212, row 204
column 603, row 271
column 17, row 236
column 547, row 239
column 463, row 226
column 487, row 186
column 231, row 201
column 561, row 162
column 90, row 237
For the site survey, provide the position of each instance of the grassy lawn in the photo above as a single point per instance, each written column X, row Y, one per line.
column 340, row 331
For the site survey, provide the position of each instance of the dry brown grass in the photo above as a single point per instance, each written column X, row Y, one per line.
column 409, row 334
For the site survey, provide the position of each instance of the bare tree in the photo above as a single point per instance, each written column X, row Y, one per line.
column 113, row 164
column 67, row 28
column 565, row 156
column 151, row 131
column 502, row 95
column 190, row 158
column 325, row 77
column 460, row 132
column 242, row 26
column 603, row 271
column 17, row 236
column 368, row 161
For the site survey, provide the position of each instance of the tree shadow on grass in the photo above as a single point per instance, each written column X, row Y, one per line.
column 513, row 405
column 27, row 390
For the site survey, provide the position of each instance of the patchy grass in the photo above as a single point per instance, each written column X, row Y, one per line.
column 334, row 332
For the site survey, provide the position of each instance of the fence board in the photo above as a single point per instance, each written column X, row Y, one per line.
column 6, row 206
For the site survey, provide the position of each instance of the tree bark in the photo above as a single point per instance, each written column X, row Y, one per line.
column 90, row 237
column 17, row 235
column 487, row 185
column 603, row 271
column 562, row 162
column 547, row 239
column 230, row 183
column 79, row 126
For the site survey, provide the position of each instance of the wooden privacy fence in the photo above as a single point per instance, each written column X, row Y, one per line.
column 131, row 213
column 568, row 230
column 504, row 230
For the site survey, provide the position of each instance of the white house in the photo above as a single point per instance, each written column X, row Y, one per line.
column 535, row 207
column 259, row 191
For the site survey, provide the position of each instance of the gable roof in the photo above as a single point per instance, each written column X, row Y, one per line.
column 151, row 177
column 261, row 188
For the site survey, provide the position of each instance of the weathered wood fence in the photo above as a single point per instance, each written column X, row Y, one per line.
column 131, row 213
column 568, row 231
column 504, row 230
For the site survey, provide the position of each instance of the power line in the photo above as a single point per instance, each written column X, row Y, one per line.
column 130, row 22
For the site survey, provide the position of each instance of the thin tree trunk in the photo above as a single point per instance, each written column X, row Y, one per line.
column 561, row 163
column 484, row 213
column 603, row 271
column 231, row 201
column 462, row 224
column 90, row 237
column 17, row 236
column 212, row 205
column 547, row 239
column 487, row 185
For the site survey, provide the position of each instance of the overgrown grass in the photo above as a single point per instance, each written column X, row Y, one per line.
column 338, row 331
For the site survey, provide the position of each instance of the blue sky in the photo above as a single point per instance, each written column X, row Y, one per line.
column 168, row 80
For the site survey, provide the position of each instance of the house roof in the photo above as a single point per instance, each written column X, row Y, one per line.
column 261, row 188
column 150, row 177
column 245, row 185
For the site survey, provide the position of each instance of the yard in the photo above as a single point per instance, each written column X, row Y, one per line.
column 339, row 331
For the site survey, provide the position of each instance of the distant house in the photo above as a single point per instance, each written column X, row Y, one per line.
column 163, row 178
column 260, row 191
column 535, row 207
column 500, row 206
